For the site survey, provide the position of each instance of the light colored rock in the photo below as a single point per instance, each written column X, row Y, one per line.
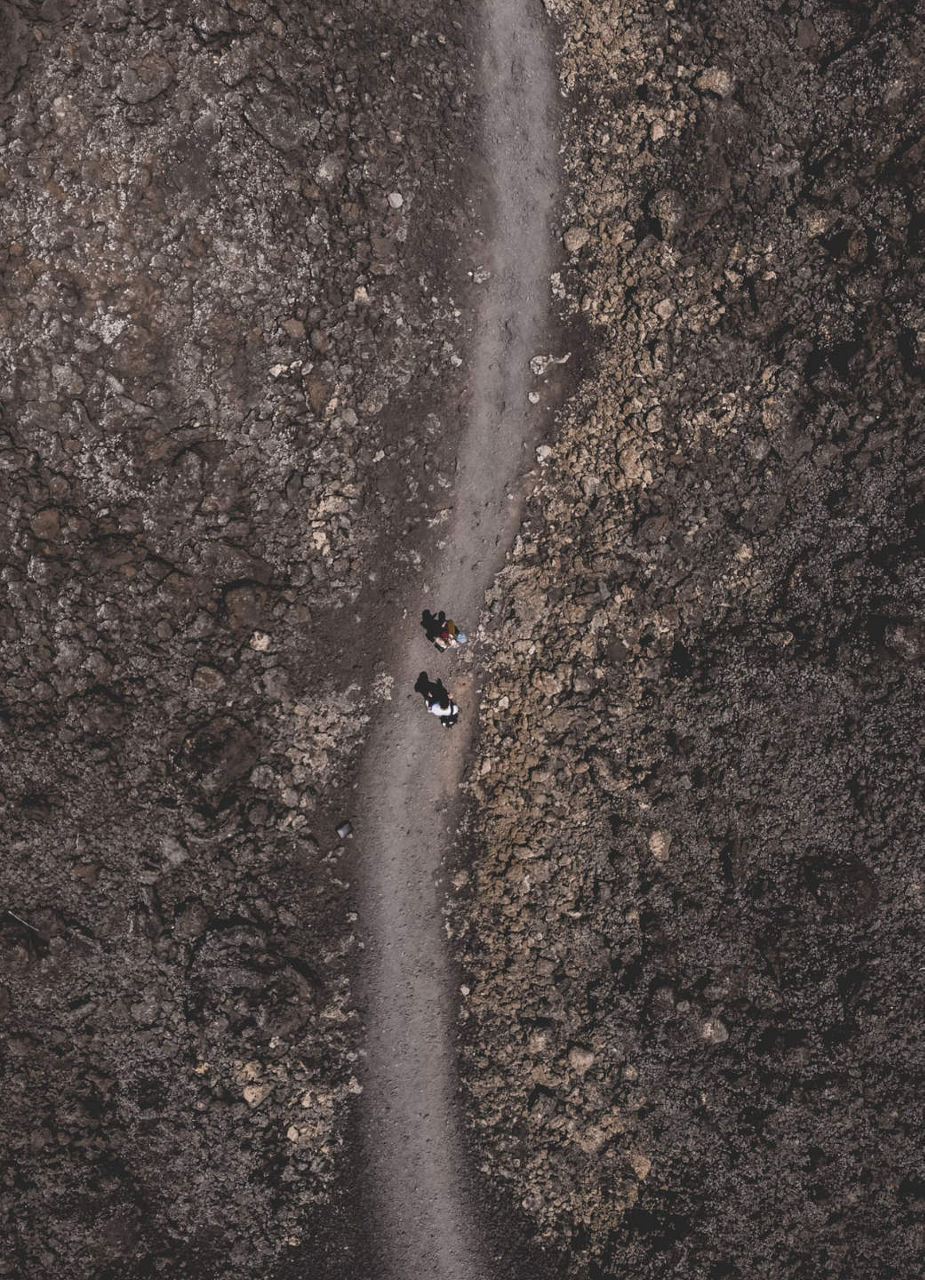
column 330, row 169
column 580, row 1059
column 540, row 365
column 396, row 199
column 659, row 845
column 668, row 207
column 592, row 1140
column 714, row 1031
column 173, row 851
column 715, row 80
column 254, row 1094
column 576, row 238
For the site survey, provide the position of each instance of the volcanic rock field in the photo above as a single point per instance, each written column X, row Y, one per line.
column 249, row 252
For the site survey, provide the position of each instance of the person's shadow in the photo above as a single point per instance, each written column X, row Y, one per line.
column 433, row 625
column 431, row 690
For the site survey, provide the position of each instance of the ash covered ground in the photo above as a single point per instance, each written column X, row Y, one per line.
column 237, row 265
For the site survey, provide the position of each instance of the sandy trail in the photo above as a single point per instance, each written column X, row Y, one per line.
column 412, row 769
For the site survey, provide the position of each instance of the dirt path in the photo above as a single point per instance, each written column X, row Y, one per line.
column 413, row 767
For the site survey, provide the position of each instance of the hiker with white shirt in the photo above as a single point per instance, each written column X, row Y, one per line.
column 437, row 699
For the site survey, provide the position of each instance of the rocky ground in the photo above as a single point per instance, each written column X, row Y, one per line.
column 689, row 931
column 229, row 332
column 237, row 267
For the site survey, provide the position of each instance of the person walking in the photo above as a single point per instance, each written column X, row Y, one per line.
column 446, row 709
column 437, row 699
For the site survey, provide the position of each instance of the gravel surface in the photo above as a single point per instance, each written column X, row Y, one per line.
column 413, row 765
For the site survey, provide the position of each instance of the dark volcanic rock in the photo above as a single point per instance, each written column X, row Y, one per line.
column 692, row 934
column 215, row 326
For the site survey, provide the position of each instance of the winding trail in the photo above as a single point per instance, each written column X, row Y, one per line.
column 412, row 768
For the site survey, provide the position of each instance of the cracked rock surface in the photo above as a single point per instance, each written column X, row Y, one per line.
column 690, row 933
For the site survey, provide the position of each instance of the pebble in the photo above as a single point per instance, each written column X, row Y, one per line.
column 254, row 1094
column 46, row 524
column 576, row 238
column 659, row 844
column 581, row 1060
column 540, row 365
column 207, row 679
column 715, row 80
column 714, row 1031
